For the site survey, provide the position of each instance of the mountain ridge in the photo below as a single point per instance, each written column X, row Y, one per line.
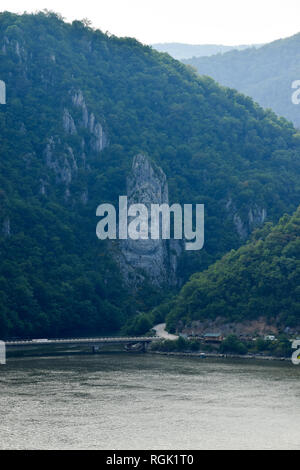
column 186, row 51
column 80, row 106
column 266, row 74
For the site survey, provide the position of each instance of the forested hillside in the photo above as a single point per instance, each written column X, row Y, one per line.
column 261, row 279
column 266, row 74
column 80, row 106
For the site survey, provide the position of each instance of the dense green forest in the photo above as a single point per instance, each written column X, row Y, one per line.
column 260, row 279
column 266, row 74
column 80, row 105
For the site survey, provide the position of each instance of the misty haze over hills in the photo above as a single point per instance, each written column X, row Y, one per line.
column 185, row 51
column 266, row 74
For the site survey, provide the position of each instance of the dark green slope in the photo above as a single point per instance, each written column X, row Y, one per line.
column 266, row 74
column 260, row 279
column 216, row 147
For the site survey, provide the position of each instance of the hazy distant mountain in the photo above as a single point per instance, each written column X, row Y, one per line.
column 266, row 74
column 186, row 51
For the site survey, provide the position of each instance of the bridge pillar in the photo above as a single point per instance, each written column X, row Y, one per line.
column 2, row 353
column 140, row 346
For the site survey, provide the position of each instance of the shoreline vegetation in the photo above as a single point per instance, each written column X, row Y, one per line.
column 219, row 356
column 232, row 346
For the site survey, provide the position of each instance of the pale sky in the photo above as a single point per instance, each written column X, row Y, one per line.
column 228, row 22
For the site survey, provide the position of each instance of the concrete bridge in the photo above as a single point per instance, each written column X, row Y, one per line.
column 131, row 343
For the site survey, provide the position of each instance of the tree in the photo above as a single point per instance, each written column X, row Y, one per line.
column 232, row 345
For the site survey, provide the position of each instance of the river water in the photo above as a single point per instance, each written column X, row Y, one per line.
column 130, row 401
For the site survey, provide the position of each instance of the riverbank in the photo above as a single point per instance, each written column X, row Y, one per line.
column 219, row 356
column 39, row 352
column 179, row 351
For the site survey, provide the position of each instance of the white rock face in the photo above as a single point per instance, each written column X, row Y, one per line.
column 68, row 123
column 154, row 260
column 244, row 225
column 99, row 139
column 63, row 163
column 99, row 142
column 2, row 92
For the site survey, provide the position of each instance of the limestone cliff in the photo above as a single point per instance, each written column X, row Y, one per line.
column 65, row 160
column 152, row 260
column 98, row 137
column 246, row 223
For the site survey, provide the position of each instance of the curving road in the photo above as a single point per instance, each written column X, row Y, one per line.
column 162, row 333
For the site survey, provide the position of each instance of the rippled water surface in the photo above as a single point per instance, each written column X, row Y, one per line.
column 124, row 401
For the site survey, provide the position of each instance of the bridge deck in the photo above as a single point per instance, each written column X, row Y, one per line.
column 113, row 340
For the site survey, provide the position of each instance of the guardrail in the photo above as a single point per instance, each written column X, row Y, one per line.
column 121, row 339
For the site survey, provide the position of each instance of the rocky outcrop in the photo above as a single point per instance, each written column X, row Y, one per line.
column 244, row 225
column 152, row 260
column 6, row 230
column 61, row 161
column 79, row 101
column 2, row 92
column 68, row 123
column 99, row 138
column 15, row 46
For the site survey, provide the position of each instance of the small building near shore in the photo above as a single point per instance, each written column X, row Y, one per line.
column 213, row 337
column 270, row 338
